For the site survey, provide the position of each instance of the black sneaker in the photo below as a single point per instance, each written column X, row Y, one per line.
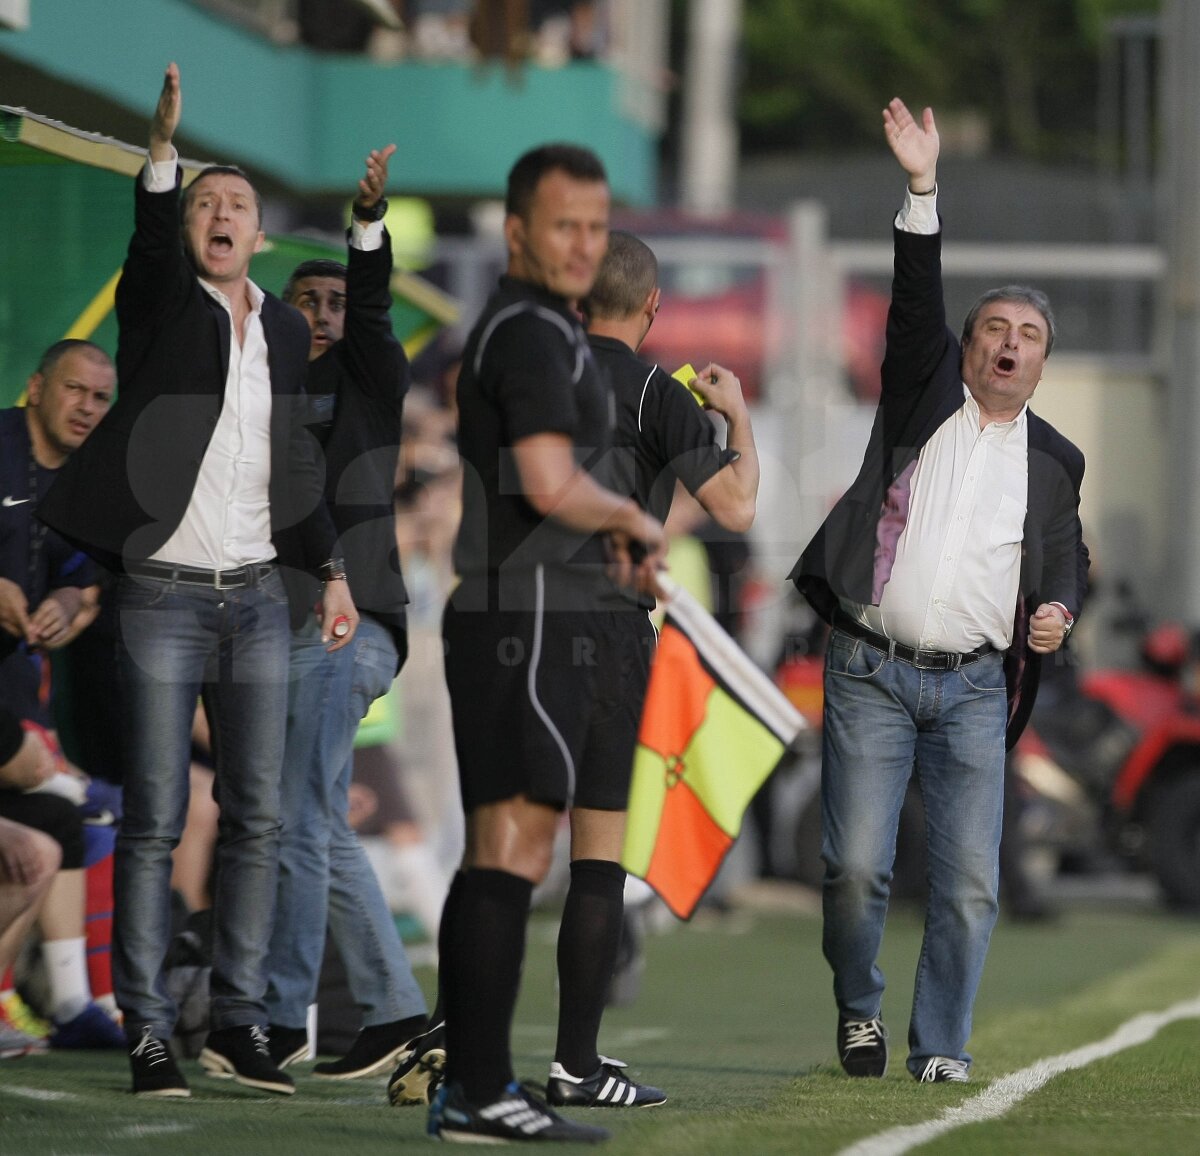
column 154, row 1071
column 606, row 1087
column 244, row 1054
column 419, row 1074
column 940, row 1070
column 862, row 1047
column 374, row 1050
column 287, row 1045
column 517, row 1115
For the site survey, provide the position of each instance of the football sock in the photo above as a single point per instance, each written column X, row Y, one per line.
column 482, row 950
column 588, row 940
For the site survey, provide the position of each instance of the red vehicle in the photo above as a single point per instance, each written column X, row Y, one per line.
column 1132, row 738
column 724, row 299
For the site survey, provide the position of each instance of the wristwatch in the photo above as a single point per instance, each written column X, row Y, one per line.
column 368, row 213
column 1068, row 617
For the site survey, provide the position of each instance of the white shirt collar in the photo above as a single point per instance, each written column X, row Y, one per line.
column 1003, row 428
column 257, row 296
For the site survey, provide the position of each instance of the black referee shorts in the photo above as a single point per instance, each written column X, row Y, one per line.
column 546, row 703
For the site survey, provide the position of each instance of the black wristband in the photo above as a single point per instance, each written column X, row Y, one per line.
column 369, row 213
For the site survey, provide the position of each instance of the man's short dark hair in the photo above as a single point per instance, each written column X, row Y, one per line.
column 627, row 276
column 56, row 352
column 215, row 171
column 580, row 163
column 1026, row 296
column 317, row 267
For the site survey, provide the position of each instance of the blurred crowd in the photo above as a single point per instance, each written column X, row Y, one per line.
column 549, row 33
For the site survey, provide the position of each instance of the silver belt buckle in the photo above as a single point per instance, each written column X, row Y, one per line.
column 217, row 584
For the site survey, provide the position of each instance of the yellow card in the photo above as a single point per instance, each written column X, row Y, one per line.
column 684, row 374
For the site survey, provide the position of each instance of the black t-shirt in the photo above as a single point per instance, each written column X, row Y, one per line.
column 527, row 369
column 662, row 433
column 33, row 556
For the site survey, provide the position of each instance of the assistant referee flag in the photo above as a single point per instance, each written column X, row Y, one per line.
column 713, row 729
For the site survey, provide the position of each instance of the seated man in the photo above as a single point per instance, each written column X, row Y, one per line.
column 29, row 862
column 47, row 597
column 47, row 587
column 31, row 794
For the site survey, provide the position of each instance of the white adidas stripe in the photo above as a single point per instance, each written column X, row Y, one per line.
column 517, row 1114
column 617, row 1091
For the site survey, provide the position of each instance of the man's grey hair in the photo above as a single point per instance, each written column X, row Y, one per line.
column 1022, row 293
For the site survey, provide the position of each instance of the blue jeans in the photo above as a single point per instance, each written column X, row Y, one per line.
column 881, row 716
column 324, row 874
column 178, row 641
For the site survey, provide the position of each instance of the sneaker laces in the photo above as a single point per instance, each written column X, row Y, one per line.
column 941, row 1069
column 863, row 1034
column 260, row 1040
column 149, row 1047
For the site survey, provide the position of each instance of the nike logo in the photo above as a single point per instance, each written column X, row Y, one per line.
column 11, row 501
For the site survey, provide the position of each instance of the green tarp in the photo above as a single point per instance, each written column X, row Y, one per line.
column 66, row 211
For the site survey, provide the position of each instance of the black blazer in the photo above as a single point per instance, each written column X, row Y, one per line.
column 922, row 387
column 125, row 491
column 356, row 391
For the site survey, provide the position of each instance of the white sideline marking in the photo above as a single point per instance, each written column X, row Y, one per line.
column 1004, row 1093
column 35, row 1093
column 138, row 1131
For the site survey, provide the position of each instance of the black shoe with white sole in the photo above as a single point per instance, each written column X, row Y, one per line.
column 606, row 1087
column 862, row 1047
column 287, row 1045
column 517, row 1116
column 374, row 1050
column 244, row 1054
column 155, row 1073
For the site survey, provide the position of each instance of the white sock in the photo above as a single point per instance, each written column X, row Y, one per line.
column 66, row 973
column 109, row 1004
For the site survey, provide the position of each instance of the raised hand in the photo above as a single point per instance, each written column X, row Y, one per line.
column 720, row 388
column 166, row 115
column 372, row 185
column 916, row 146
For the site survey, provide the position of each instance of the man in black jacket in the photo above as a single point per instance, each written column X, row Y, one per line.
column 357, row 378
column 950, row 566
column 203, row 483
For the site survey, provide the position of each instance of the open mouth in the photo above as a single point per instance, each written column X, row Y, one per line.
column 1005, row 364
column 220, row 244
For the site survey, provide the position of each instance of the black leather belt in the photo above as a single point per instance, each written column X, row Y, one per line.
column 248, row 575
column 922, row 659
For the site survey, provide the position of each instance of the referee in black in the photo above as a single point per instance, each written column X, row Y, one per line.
column 531, row 657
column 663, row 434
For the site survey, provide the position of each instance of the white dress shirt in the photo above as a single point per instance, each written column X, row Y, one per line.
column 953, row 586
column 228, row 521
